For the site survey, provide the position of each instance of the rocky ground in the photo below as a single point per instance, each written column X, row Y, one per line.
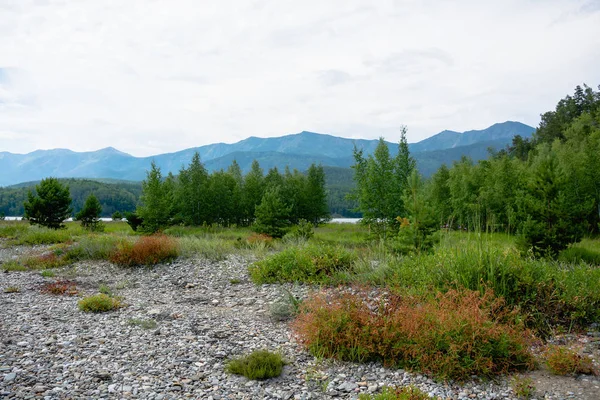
column 182, row 322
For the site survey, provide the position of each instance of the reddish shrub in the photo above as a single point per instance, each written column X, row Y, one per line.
column 453, row 335
column 59, row 288
column 148, row 250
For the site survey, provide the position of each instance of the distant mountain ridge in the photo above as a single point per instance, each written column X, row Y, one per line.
column 296, row 151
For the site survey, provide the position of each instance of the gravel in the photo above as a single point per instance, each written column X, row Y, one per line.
column 202, row 317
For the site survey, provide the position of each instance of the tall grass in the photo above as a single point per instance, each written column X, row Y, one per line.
column 549, row 293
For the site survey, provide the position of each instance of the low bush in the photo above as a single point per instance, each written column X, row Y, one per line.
column 403, row 393
column 452, row 335
column 312, row 263
column 45, row 261
column 148, row 250
column 564, row 361
column 99, row 303
column 260, row 364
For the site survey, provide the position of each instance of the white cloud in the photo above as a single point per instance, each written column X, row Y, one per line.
column 158, row 76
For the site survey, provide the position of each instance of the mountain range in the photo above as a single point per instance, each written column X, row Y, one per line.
column 296, row 151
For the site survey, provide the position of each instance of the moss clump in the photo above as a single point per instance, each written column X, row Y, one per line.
column 99, row 303
column 261, row 364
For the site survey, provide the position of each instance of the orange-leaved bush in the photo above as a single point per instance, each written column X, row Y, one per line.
column 147, row 250
column 452, row 335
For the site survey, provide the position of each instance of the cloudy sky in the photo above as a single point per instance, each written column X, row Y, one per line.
column 155, row 76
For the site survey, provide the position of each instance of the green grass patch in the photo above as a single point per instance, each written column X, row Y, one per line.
column 212, row 248
column 311, row 263
column 99, row 303
column 36, row 235
column 12, row 265
column 261, row 364
column 94, row 247
column 587, row 251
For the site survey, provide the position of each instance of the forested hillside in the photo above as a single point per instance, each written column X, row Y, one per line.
column 115, row 196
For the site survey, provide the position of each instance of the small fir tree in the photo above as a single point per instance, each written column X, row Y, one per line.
column 272, row 214
column 50, row 205
column 89, row 216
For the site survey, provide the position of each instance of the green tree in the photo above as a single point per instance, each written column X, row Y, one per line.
column 440, row 196
column 552, row 222
column 272, row 214
column 316, row 195
column 51, row 204
column 252, row 193
column 156, row 201
column 192, row 194
column 417, row 232
column 89, row 216
column 380, row 182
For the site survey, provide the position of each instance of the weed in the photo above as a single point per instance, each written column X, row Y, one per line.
column 260, row 364
column 143, row 323
column 235, row 281
column 12, row 289
column 47, row 273
column 285, row 308
column 312, row 263
column 60, row 288
column 452, row 335
column 404, row 393
column 105, row 289
column 564, row 361
column 148, row 250
column 523, row 387
column 122, row 285
column 99, row 303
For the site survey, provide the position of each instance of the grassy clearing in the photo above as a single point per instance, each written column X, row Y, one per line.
column 450, row 336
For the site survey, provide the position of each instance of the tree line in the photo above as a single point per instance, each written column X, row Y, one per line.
column 269, row 202
column 545, row 189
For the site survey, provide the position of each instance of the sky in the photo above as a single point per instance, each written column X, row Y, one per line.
column 157, row 76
